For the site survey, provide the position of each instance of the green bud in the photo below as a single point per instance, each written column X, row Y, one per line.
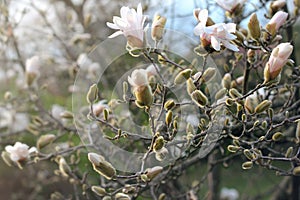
column 247, row 165
column 182, row 76
column 64, row 168
column 100, row 191
column 229, row 102
column 162, row 196
column 296, row 171
column 254, row 27
column 256, row 123
column 226, row 81
column 270, row 113
column 169, row 117
column 190, row 86
column 234, row 93
column 101, row 166
column 236, row 142
column 92, row 94
column 169, row 105
column 122, row 196
column 233, row 148
column 159, row 143
column 199, row 98
column 277, row 136
column 248, row 154
column 67, row 115
column 244, row 117
column 105, row 114
column 107, row 198
column 144, row 96
column 221, row 93
column 208, row 74
column 289, row 152
column 263, row 106
column 44, row 140
column 264, row 124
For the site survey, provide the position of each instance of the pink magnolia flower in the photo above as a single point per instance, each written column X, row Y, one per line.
column 19, row 152
column 278, row 59
column 217, row 34
column 130, row 24
column 230, row 5
column 279, row 19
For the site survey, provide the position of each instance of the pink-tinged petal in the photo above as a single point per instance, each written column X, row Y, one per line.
column 112, row 26
column 139, row 10
column 14, row 157
column 115, row 34
column 215, row 43
column 279, row 19
column 124, row 11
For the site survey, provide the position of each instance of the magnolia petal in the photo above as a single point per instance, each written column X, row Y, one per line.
column 230, row 46
column 215, row 43
column 112, row 25
column 203, row 16
column 115, row 34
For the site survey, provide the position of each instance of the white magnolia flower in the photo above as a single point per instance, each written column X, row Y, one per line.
column 230, row 5
column 229, row 194
column 33, row 65
column 138, row 78
column 130, row 24
column 217, row 34
column 15, row 122
column 19, row 152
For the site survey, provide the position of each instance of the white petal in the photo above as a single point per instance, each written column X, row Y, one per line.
column 9, row 148
column 203, row 15
column 230, row 27
column 120, row 22
column 230, row 46
column 112, row 25
column 215, row 43
column 115, row 34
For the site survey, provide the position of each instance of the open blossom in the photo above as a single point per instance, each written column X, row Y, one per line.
column 230, row 5
column 130, row 24
column 277, row 60
column 138, row 78
column 278, row 19
column 19, row 152
column 215, row 35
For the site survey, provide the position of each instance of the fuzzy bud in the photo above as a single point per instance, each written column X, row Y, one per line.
column 226, row 81
column 64, row 168
column 161, row 154
column 100, row 191
column 169, row 117
column 234, row 93
column 101, row 166
column 247, row 165
column 277, row 136
column 122, row 196
column 263, row 106
column 233, row 148
column 182, row 76
column 158, row 25
column 221, row 93
column 199, row 98
column 289, row 152
column 169, row 105
column 254, row 27
column 153, row 172
column 208, row 74
column 190, row 86
column 92, row 94
column 159, row 143
column 44, row 140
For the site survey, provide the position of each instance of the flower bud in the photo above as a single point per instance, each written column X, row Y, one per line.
column 263, row 106
column 226, row 81
column 100, row 191
column 66, row 115
column 277, row 5
column 169, row 105
column 64, row 168
column 249, row 154
column 169, row 117
column 289, row 152
column 277, row 136
column 144, row 96
column 101, row 166
column 277, row 60
column 247, row 165
column 234, row 93
column 182, row 76
column 158, row 25
column 153, row 172
column 298, row 131
column 190, row 86
column 233, row 148
column 162, row 196
column 221, row 93
column 276, row 22
column 161, row 154
column 254, row 27
column 208, row 74
column 199, row 98
column 122, row 196
column 159, row 143
column 251, row 56
column 92, row 94
column 44, row 140
column 107, row 198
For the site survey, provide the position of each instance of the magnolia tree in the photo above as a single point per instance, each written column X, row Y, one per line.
column 149, row 112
